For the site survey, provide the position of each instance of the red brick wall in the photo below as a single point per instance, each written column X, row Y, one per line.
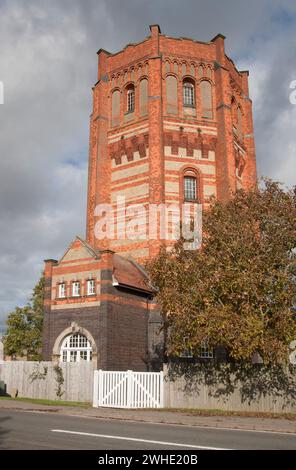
column 166, row 143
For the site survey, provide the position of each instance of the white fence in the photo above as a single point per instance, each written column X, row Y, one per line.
column 128, row 389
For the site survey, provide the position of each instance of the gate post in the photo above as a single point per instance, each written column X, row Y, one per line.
column 129, row 389
column 96, row 389
column 161, row 390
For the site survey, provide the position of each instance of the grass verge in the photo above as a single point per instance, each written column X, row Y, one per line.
column 41, row 401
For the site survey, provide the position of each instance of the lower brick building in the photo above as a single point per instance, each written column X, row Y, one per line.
column 99, row 307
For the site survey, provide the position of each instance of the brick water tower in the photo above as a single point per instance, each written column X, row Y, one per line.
column 171, row 121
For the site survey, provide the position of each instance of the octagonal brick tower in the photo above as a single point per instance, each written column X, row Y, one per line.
column 165, row 109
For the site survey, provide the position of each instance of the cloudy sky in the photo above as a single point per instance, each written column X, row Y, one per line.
column 48, row 65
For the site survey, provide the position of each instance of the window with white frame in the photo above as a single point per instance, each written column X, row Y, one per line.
column 76, row 348
column 188, row 94
column 76, row 289
column 186, row 354
column 91, row 287
column 131, row 100
column 62, row 290
column 190, row 192
column 205, row 351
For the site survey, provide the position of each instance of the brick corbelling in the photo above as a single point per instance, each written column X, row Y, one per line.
column 129, row 147
column 188, row 141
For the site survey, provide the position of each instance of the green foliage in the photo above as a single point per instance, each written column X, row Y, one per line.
column 60, row 380
column 24, row 332
column 38, row 375
column 238, row 290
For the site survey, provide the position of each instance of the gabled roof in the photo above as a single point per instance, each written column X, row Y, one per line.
column 94, row 253
column 126, row 272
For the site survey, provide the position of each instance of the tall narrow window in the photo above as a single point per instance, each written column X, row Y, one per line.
column 234, row 113
column 188, row 94
column 115, row 107
column 171, row 94
column 130, row 99
column 76, row 289
column 206, row 99
column 62, row 290
column 190, row 188
column 239, row 122
column 143, row 97
column 91, row 287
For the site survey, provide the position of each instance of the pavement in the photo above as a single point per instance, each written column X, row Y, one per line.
column 183, row 418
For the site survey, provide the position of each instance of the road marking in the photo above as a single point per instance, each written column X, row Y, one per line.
column 106, row 436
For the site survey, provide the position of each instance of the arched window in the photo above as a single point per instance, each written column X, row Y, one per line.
column 130, row 99
column 239, row 122
column 115, row 108
column 234, row 113
column 76, row 348
column 206, row 99
column 188, row 94
column 172, row 94
column 143, row 97
column 191, row 185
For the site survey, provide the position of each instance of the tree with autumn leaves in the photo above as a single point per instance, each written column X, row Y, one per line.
column 239, row 289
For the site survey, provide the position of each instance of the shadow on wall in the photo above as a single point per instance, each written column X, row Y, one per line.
column 251, row 381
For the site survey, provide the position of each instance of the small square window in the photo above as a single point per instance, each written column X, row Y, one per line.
column 205, row 351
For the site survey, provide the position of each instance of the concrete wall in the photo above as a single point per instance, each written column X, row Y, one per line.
column 257, row 390
column 78, row 380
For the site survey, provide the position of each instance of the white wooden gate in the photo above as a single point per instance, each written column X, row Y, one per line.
column 128, row 389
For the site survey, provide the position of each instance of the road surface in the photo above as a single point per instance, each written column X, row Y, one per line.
column 29, row 430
